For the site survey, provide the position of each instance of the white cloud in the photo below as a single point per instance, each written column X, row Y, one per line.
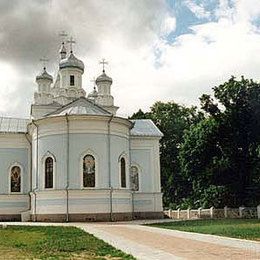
column 168, row 26
column 9, row 82
column 198, row 9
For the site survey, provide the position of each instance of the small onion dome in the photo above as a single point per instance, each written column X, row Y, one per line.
column 93, row 94
column 103, row 78
column 71, row 61
column 44, row 75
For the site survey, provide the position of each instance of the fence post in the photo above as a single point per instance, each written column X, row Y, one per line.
column 199, row 212
column 211, row 212
column 178, row 213
column 240, row 209
column 170, row 213
column 258, row 211
column 188, row 213
column 226, row 211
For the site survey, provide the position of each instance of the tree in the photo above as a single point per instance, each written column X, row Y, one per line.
column 222, row 151
column 140, row 115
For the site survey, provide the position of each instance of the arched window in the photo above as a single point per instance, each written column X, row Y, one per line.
column 48, row 173
column 15, row 179
column 88, row 171
column 123, row 172
column 134, row 176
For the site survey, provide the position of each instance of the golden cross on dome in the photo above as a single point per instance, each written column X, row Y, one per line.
column 103, row 62
column 71, row 42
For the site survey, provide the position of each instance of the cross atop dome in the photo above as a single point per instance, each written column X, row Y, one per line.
column 63, row 35
column 44, row 61
column 103, row 62
column 94, row 82
column 71, row 41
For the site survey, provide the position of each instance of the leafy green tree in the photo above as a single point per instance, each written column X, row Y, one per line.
column 140, row 115
column 220, row 155
column 202, row 164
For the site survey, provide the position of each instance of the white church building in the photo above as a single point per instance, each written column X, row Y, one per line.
column 75, row 159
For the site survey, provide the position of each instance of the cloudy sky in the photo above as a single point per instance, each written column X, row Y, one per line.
column 157, row 50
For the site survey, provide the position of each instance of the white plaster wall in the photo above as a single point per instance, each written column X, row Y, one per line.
column 86, row 136
column 65, row 77
column 96, row 201
column 38, row 111
column 122, row 201
column 82, row 201
column 147, row 202
column 145, row 155
column 14, row 149
column 13, row 204
column 90, row 135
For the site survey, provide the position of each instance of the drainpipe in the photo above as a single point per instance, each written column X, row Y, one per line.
column 68, row 164
column 109, row 168
column 130, row 162
column 37, row 170
column 30, row 143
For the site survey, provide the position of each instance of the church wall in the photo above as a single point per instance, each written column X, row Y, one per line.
column 80, row 145
column 91, row 137
column 8, row 158
column 87, row 201
column 142, row 159
column 145, row 155
column 147, row 202
column 65, row 77
column 94, row 144
column 119, row 148
column 38, row 111
column 14, row 150
column 53, row 145
column 86, row 136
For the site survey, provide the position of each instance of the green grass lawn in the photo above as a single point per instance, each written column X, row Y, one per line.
column 238, row 228
column 20, row 242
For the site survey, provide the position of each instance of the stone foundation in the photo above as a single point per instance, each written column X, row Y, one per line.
column 148, row 215
column 10, row 217
column 100, row 217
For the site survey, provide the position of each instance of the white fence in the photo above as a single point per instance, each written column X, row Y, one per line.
column 241, row 212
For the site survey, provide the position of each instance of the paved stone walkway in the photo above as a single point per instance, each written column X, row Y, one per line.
column 150, row 243
column 153, row 243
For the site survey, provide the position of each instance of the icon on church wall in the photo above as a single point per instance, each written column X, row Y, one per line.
column 89, row 171
column 16, row 179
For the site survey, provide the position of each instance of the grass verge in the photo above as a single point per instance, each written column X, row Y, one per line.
column 237, row 228
column 20, row 242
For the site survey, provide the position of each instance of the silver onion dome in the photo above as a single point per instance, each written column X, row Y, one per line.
column 71, row 61
column 44, row 75
column 103, row 78
column 93, row 94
